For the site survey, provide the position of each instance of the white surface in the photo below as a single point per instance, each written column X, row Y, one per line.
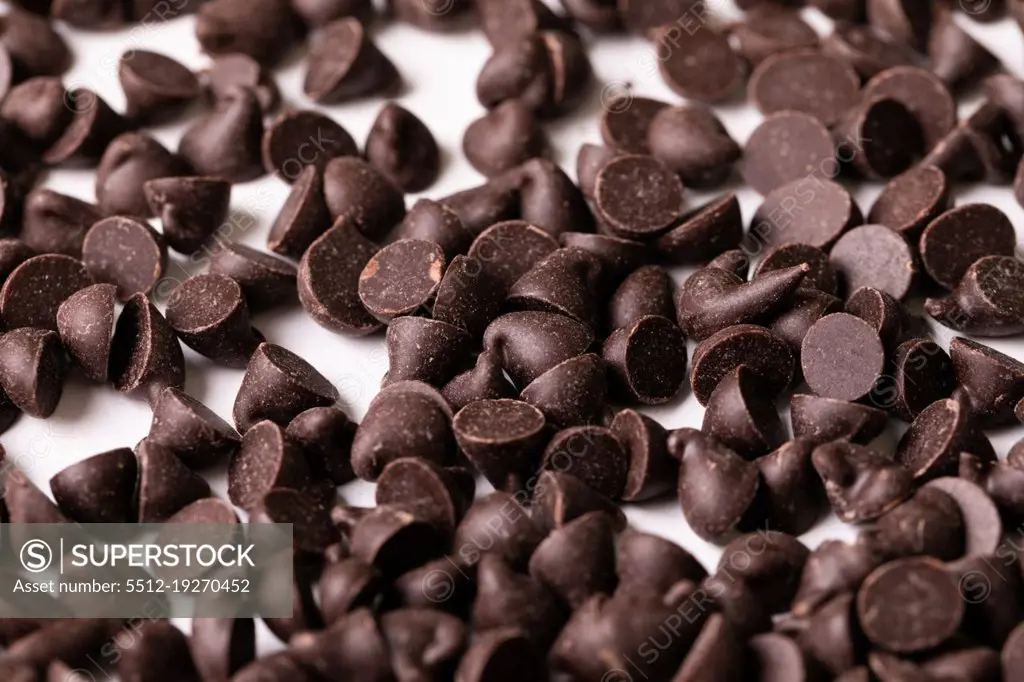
column 440, row 74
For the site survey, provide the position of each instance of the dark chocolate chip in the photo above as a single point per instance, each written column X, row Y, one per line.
column 300, row 138
column 577, row 560
column 875, row 256
column 823, row 420
column 35, row 289
column 421, row 349
column 37, row 109
column 481, row 207
column 145, row 356
column 592, row 454
column 808, row 210
column 562, row 282
column 619, row 257
column 955, row 56
column 503, row 439
column 712, row 300
column 834, row 568
column 507, row 599
column 921, row 373
column 264, row 30
column 923, row 94
column 166, row 486
column 590, row 159
column 468, row 297
column 190, row 430
column 717, row 652
column 86, row 325
column 646, row 360
column 651, row 470
column 209, row 314
column 34, row 45
column 266, row 279
column 92, row 127
column 509, row 249
column 932, row 445
column 809, row 306
column 279, row 667
column 764, row 353
column 531, row 343
column 704, row 233
column 626, row 121
column 548, row 71
column 394, row 541
column 560, row 498
column 278, row 385
column 716, row 486
column 805, row 80
column 348, row 585
column 769, row 29
column 432, row 221
column 861, row 484
column 650, row 562
column 831, row 639
column 987, row 301
column 100, row 489
column 842, row 357
column 485, row 381
column 907, row 22
column 909, row 605
column 498, row 524
column 156, row 645
column 154, row 84
column 548, row 198
column 570, row 393
column 402, row 147
column 345, row 64
column 821, row 276
column 866, row 50
column 912, row 200
column 233, row 70
column 649, row 290
column 125, row 252
column 956, row 239
column 880, row 138
column 423, row 643
column 928, row 524
column 778, row 658
column 222, row 647
column 503, row 138
column 430, row 493
column 507, row 22
column 699, row 65
column 810, row 146
column 994, row 382
column 982, row 524
column 13, row 252
column 325, row 434
column 401, row 278
column 32, row 370
column 268, row 459
column 743, row 418
column 879, row 309
column 225, row 143
column 328, row 280
column 312, row 529
column 979, row 663
column 358, row 192
column 790, row 497
column 493, row 654
column 428, row 434
column 638, row 197
column 692, row 142
column 190, row 209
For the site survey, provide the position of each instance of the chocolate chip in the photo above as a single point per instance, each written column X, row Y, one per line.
column 74, row 640
column 93, row 125
column 921, row 374
column 548, row 71
column 268, row 459
column 641, row 17
column 497, row 524
column 994, row 382
column 647, row 360
column 560, row 498
column 650, row 562
column 562, row 282
column 222, row 647
column 264, row 30
column 956, row 239
column 993, row 617
column 190, row 209
column 35, row 289
column 100, row 489
column 956, row 57
column 717, row 651
column 625, row 123
column 229, row 71
column 866, row 50
column 145, row 356
column 156, row 645
column 712, row 300
column 402, row 147
column 125, row 252
column 190, row 430
column 485, row 381
column 592, row 454
column 401, row 278
column 37, row 109
column 986, row 301
column 692, row 142
column 923, row 94
column 1007, row 93
column 226, row 142
column 778, row 658
column 266, row 280
column 328, row 281
column 808, row 210
column 428, row 433
column 984, row 529
column 548, row 198
column 651, row 470
column 882, row 136
column 209, row 314
column 909, row 605
column 906, row 22
column 590, row 159
column 13, row 252
column 928, row 524
column 503, row 439
column 823, row 420
column 432, row 221
column 531, row 343
column 358, row 192
column 346, row 586
column 86, row 325
column 345, row 64
column 842, row 357
column 765, row 354
column 394, row 541
column 577, row 560
column 32, row 370
column 768, row 30
column 468, row 296
column 301, row 138
column 595, row 14
column 493, row 653
column 649, row 290
column 883, row 312
column 166, row 486
column 861, row 484
column 423, row 643
column 834, row 568
column 809, row 306
column 34, row 46
column 421, row 349
column 699, row 65
column 311, row 524
column 807, row 81
column 789, row 497
column 980, row 663
column 618, row 191
column 977, row 149
column 278, row 385
column 830, row 638
column 716, row 486
column 912, row 200
column 507, row 599
column 821, row 275
column 154, row 84
column 932, row 445
column 810, row 148
column 570, row 393
column 505, row 137
column 875, row 256
column 509, row 249
column 481, row 207
column 279, row 667
column 739, row 417
column 325, row 434
column 619, row 257
column 432, row 494
column 703, row 233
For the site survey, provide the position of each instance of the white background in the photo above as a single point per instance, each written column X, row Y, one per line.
column 439, row 73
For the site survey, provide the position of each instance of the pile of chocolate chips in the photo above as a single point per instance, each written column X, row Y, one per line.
column 525, row 320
